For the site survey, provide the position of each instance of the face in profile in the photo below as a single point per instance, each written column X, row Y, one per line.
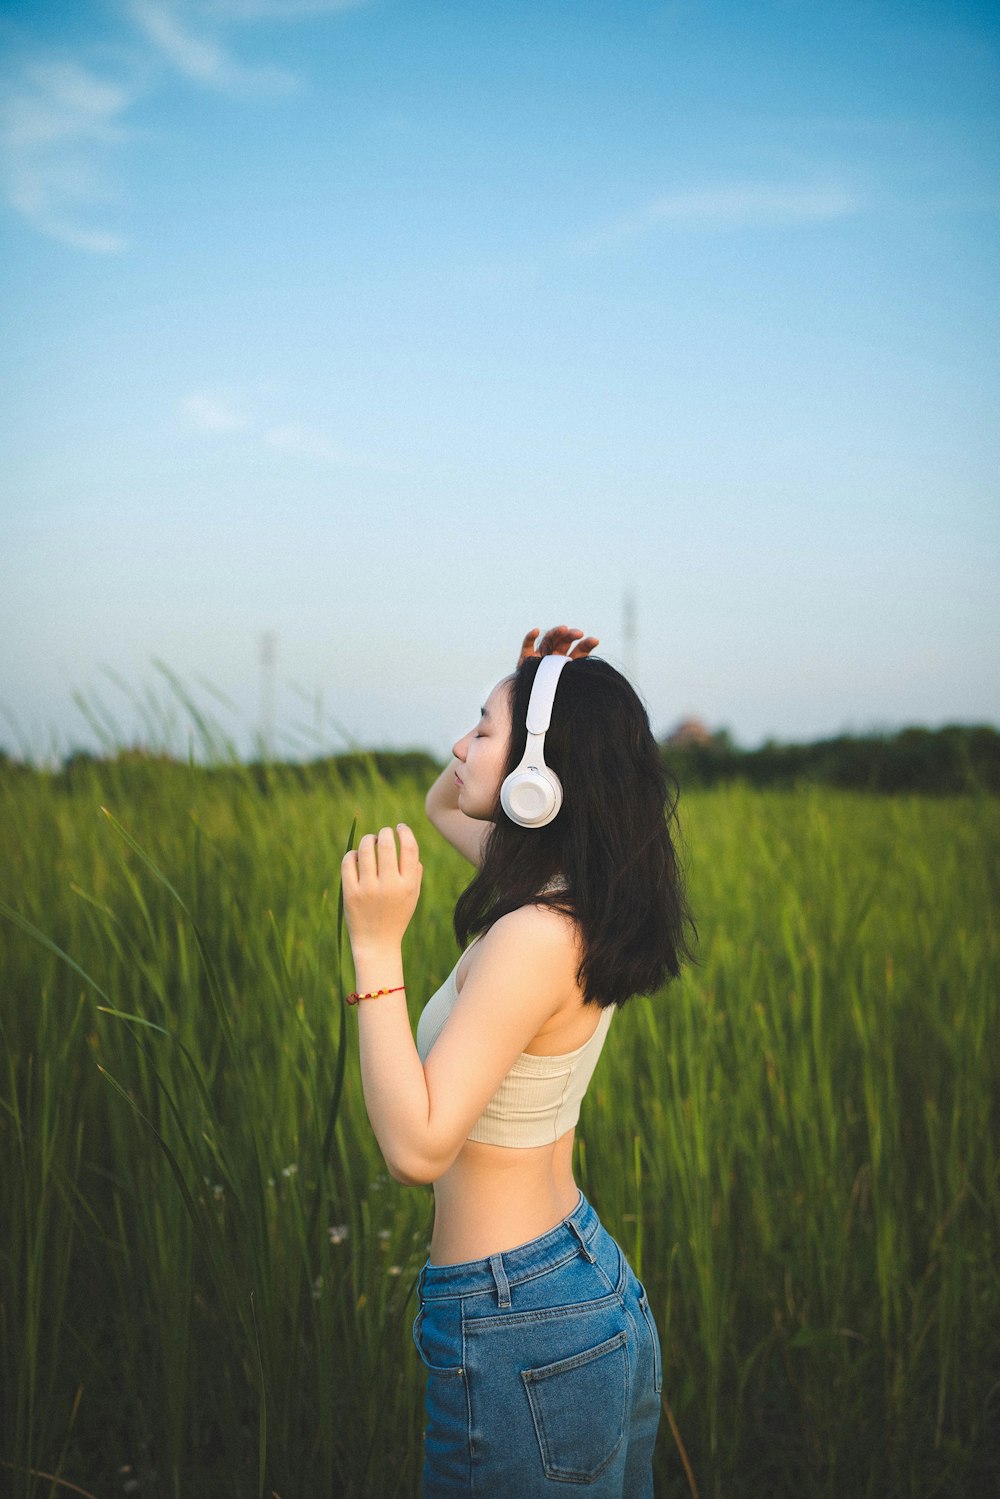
column 482, row 754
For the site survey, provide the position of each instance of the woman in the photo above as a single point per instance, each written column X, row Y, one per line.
column 542, row 1356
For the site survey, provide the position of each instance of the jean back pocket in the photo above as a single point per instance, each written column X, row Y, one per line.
column 579, row 1406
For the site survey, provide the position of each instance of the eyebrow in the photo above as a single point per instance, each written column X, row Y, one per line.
column 484, row 712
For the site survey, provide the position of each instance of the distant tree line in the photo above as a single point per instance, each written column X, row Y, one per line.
column 953, row 759
column 139, row 770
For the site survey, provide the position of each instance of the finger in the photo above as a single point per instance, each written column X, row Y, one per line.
column 367, row 867
column 564, row 640
column 387, row 862
column 349, row 869
column 409, row 851
column 528, row 646
column 548, row 645
column 584, row 647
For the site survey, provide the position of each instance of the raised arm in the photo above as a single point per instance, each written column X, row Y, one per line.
column 422, row 1114
column 466, row 834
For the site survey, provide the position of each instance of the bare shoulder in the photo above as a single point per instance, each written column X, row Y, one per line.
column 547, row 938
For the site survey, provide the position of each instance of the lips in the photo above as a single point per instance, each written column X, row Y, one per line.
column 458, row 778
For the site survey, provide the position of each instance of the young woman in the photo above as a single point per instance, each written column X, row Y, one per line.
column 542, row 1356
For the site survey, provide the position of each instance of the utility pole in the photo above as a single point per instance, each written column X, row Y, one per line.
column 268, row 644
column 629, row 637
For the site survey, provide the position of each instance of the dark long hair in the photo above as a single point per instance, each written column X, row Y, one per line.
column 610, row 844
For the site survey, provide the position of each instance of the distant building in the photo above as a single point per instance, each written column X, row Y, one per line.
column 688, row 731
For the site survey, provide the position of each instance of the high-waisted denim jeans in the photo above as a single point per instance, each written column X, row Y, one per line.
column 543, row 1369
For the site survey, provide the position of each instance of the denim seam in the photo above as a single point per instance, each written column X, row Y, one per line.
column 541, row 1314
column 614, row 1291
column 618, row 1290
column 468, row 1406
column 647, row 1317
column 635, row 1330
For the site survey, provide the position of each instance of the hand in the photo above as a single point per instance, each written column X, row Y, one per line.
column 559, row 641
column 381, row 893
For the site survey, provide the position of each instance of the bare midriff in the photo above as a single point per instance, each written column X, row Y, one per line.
column 495, row 1197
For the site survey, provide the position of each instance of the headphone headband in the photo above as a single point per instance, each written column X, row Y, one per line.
column 531, row 795
column 543, row 692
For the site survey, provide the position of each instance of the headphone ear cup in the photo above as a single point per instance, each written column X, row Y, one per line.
column 531, row 796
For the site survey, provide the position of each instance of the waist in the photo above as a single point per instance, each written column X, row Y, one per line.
column 571, row 1235
column 495, row 1196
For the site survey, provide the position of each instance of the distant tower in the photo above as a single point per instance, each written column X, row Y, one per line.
column 268, row 643
column 630, row 659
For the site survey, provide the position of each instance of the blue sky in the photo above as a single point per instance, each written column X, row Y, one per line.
column 396, row 328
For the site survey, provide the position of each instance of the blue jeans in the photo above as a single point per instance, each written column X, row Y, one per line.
column 543, row 1369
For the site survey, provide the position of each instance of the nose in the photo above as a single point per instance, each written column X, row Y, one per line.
column 460, row 746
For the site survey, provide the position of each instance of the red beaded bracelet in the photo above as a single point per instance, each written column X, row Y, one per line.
column 353, row 998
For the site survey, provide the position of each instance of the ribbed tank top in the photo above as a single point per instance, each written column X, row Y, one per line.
column 540, row 1097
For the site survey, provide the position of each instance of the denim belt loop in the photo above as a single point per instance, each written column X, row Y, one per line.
column 583, row 1245
column 500, row 1276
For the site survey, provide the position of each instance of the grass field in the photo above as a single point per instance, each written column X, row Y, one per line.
column 208, row 1276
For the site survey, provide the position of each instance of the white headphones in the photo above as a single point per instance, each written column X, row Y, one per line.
column 531, row 795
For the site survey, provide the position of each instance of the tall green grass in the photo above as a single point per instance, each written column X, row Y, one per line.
column 208, row 1277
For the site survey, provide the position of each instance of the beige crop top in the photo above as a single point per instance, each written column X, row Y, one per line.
column 540, row 1097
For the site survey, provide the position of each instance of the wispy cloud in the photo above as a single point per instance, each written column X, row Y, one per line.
column 207, row 412
column 753, row 203
column 217, row 413
column 301, row 442
column 274, row 10
column 63, row 116
column 720, row 208
column 724, row 208
column 58, row 123
column 173, row 30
